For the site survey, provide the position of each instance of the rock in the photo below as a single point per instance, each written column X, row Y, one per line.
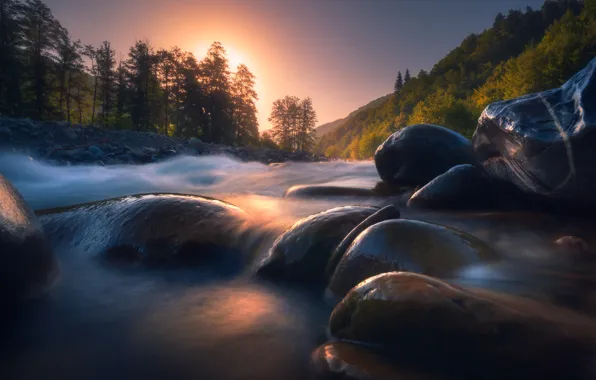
column 301, row 252
column 153, row 230
column 425, row 321
column 96, row 151
column 309, row 191
column 386, row 213
column 70, row 134
column 149, row 151
column 28, row 265
column 417, row 154
column 544, row 143
column 5, row 134
column 406, row 245
column 197, row 145
column 461, row 187
column 345, row 361
column 574, row 247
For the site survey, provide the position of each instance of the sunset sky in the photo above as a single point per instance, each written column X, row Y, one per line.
column 341, row 53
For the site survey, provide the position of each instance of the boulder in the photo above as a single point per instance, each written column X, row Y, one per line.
column 417, row 154
column 301, row 253
column 159, row 229
column 544, row 143
column 96, row 151
column 472, row 332
column 197, row 145
column 313, row 191
column 407, row 245
column 345, row 361
column 28, row 264
column 461, row 187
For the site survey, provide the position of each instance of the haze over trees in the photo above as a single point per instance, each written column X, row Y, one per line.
column 46, row 74
column 523, row 52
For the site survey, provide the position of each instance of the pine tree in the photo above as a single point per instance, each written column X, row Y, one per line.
column 11, row 67
column 407, row 76
column 106, row 63
column 121, row 93
column 245, row 109
column 399, row 84
column 139, row 71
column 90, row 52
column 69, row 67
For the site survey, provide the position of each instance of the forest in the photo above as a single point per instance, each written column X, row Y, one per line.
column 46, row 74
column 523, row 52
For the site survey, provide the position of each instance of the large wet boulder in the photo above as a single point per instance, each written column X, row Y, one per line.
column 417, row 154
column 544, row 143
column 479, row 333
column 407, row 245
column 153, row 229
column 301, row 253
column 28, row 264
column 314, row 191
column 345, row 361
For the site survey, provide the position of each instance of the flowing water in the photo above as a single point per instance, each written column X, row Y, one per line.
column 113, row 323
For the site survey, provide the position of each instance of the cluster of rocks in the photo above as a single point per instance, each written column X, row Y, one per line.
column 65, row 144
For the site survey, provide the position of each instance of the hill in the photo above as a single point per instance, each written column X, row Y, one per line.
column 522, row 52
column 323, row 129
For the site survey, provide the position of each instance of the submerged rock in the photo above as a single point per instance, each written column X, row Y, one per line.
column 574, row 247
column 407, row 245
column 422, row 320
column 308, row 191
column 461, row 187
column 153, row 229
column 302, row 252
column 28, row 264
column 544, row 143
column 417, row 154
column 345, row 361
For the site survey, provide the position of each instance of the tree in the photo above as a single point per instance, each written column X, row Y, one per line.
column 139, row 71
column 121, row 94
column 245, row 109
column 11, row 67
column 267, row 141
column 38, row 35
column 90, row 52
column 293, row 123
column 399, row 84
column 106, row 63
column 407, row 76
column 69, row 67
column 306, row 126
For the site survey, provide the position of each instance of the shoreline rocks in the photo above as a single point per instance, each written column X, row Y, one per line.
column 61, row 144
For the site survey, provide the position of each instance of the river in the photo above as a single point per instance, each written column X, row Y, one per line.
column 100, row 322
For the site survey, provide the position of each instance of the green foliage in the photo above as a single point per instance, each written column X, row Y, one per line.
column 294, row 122
column 523, row 52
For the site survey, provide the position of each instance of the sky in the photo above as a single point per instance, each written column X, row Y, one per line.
column 342, row 53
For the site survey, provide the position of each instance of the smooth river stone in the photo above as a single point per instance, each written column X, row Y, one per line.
column 316, row 191
column 407, row 245
column 28, row 264
column 301, row 253
column 153, row 229
column 417, row 154
column 425, row 321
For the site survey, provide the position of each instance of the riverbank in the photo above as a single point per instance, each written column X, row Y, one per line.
column 63, row 144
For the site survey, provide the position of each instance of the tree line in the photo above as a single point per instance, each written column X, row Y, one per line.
column 523, row 52
column 46, row 74
column 294, row 123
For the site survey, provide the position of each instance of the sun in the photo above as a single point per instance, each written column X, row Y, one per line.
column 235, row 56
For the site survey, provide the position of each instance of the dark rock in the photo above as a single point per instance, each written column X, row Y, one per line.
column 153, row 229
column 461, row 187
column 5, row 134
column 96, row 151
column 345, row 361
column 544, row 143
column 301, row 253
column 308, row 191
column 197, row 145
column 418, row 153
column 425, row 321
column 28, row 265
column 386, row 213
column 574, row 247
column 406, row 245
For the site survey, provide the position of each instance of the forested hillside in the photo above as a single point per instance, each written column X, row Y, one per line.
column 523, row 52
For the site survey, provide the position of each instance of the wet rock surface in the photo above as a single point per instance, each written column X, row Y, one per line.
column 302, row 252
column 543, row 143
column 345, row 361
column 28, row 264
column 314, row 191
column 153, row 229
column 465, row 331
column 407, row 245
column 59, row 143
column 417, row 154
